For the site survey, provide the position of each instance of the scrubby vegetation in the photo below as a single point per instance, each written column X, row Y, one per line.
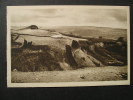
column 65, row 53
column 35, row 58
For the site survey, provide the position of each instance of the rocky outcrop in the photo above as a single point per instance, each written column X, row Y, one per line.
column 63, row 52
column 26, row 44
column 70, row 57
column 82, row 58
column 107, row 57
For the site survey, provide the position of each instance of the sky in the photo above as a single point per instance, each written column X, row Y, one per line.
column 69, row 16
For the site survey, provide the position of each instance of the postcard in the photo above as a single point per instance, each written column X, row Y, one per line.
column 68, row 46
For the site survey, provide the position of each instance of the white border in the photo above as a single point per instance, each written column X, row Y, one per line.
column 64, row 84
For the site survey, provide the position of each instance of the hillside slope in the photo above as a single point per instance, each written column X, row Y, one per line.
column 40, row 50
column 91, row 31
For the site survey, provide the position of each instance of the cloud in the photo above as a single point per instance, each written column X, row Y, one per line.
column 119, row 15
column 71, row 16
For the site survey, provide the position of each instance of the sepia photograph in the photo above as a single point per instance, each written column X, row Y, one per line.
column 68, row 45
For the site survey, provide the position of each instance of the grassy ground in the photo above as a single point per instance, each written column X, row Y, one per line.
column 108, row 73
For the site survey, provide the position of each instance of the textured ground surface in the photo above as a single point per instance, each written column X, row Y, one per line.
column 108, row 73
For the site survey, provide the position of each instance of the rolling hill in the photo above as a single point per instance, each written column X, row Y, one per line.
column 44, row 49
column 91, row 31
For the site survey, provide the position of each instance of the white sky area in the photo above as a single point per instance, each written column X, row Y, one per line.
column 69, row 16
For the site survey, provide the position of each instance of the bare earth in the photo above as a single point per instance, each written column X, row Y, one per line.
column 108, row 73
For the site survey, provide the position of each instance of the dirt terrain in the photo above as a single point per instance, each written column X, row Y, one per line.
column 48, row 55
column 109, row 73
